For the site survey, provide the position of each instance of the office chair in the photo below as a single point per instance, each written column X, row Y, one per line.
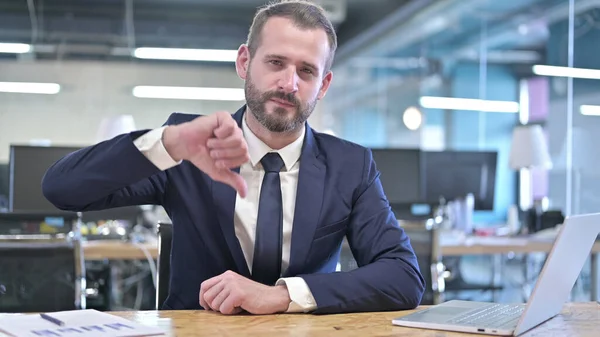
column 424, row 238
column 165, row 239
column 41, row 273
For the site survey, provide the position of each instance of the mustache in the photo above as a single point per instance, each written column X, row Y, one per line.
column 290, row 98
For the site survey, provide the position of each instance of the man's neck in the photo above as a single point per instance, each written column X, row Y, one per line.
column 275, row 140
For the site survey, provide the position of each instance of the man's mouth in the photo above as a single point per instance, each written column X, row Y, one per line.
column 283, row 102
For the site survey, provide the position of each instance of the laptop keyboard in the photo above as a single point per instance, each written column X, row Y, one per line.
column 494, row 316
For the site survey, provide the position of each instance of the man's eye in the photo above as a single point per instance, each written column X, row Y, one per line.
column 275, row 62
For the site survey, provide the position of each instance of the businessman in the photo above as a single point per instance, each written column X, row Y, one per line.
column 260, row 202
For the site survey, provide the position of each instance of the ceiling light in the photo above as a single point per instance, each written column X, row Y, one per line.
column 215, row 55
column 14, row 48
column 196, row 93
column 543, row 70
column 30, row 88
column 590, row 110
column 450, row 103
column 412, row 118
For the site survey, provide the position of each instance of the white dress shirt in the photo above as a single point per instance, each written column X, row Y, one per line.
column 246, row 209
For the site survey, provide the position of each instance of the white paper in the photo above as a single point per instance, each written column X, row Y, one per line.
column 89, row 323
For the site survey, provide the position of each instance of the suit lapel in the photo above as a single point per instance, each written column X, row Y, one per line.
column 224, row 195
column 309, row 200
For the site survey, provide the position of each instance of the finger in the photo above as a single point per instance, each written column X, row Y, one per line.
column 218, row 300
column 202, row 302
column 231, row 153
column 211, row 294
column 204, row 287
column 234, row 180
column 228, row 307
column 231, row 305
column 210, row 282
column 233, row 141
column 227, row 129
column 223, row 117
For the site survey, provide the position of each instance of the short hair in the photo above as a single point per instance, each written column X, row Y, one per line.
column 304, row 14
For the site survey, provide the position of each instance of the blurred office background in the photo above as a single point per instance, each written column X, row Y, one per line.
column 492, row 105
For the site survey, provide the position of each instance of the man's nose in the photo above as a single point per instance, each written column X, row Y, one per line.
column 289, row 81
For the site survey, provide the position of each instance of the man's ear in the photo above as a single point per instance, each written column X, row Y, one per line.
column 325, row 84
column 242, row 61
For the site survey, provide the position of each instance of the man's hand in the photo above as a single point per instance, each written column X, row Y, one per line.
column 213, row 143
column 230, row 293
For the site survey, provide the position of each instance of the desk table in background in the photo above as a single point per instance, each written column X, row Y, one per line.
column 576, row 319
column 120, row 250
column 117, row 250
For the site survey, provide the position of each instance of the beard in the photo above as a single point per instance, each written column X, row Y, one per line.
column 278, row 120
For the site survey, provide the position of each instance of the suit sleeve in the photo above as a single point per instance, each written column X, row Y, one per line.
column 388, row 277
column 112, row 173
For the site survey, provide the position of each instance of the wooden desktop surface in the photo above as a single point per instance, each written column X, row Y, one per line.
column 119, row 250
column 576, row 319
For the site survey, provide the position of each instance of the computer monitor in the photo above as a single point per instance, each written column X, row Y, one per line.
column 4, row 186
column 28, row 164
column 454, row 174
column 27, row 167
column 27, row 223
column 400, row 174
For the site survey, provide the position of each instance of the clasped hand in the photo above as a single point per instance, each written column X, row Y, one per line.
column 231, row 293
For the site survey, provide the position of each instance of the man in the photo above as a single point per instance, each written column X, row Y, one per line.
column 273, row 246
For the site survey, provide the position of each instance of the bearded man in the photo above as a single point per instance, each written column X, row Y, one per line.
column 260, row 202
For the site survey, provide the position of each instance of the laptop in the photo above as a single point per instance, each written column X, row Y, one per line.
column 569, row 252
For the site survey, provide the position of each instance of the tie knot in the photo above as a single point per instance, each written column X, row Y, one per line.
column 272, row 162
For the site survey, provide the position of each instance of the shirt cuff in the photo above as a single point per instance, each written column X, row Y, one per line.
column 300, row 294
column 151, row 145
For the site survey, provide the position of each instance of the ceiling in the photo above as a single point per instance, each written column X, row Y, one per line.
column 109, row 29
column 459, row 29
column 516, row 31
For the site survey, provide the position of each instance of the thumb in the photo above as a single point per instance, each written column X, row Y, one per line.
column 234, row 180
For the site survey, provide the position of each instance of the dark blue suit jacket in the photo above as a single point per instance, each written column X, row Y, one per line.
column 339, row 194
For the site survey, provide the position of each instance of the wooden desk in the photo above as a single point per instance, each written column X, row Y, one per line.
column 500, row 245
column 579, row 319
column 118, row 250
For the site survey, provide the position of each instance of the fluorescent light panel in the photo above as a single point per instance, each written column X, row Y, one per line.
column 555, row 71
column 590, row 110
column 30, row 88
column 195, row 93
column 14, row 48
column 214, row 55
column 451, row 103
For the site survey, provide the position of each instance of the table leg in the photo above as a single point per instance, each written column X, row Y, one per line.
column 594, row 276
column 497, row 274
column 526, row 288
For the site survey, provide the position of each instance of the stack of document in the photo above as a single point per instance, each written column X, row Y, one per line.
column 89, row 323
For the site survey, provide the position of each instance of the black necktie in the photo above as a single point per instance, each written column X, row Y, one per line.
column 266, row 266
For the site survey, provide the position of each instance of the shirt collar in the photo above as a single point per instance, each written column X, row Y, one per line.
column 258, row 149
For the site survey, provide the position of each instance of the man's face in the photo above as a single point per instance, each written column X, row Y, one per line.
column 285, row 77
